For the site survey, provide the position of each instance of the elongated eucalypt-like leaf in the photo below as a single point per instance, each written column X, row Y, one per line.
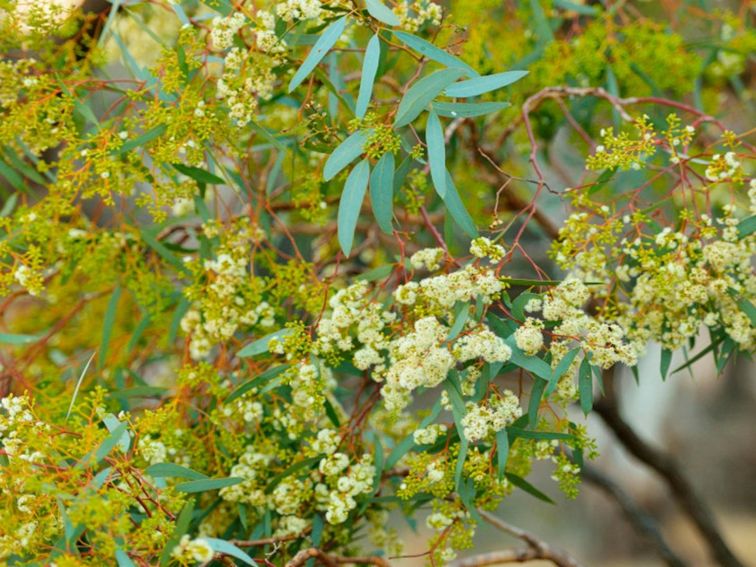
column 350, row 204
column 434, row 138
column 380, row 12
column 468, row 109
column 382, row 191
column 432, row 52
column 481, row 85
column 457, row 209
column 420, row 95
column 369, row 69
column 325, row 42
column 349, row 150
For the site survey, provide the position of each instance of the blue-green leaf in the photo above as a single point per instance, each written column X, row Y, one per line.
column 382, row 191
column 170, row 470
column 434, row 138
column 666, row 360
column 123, row 559
column 417, row 98
column 457, row 209
column 502, row 451
column 349, row 150
column 532, row 364
column 480, row 85
column 585, row 386
column 11, row 339
column 227, row 548
column 269, row 374
column 110, row 442
column 581, row 9
column 199, row 174
column 142, row 140
column 523, row 484
column 205, row 484
column 536, row 393
column 561, row 368
column 369, row 69
column 380, row 12
column 350, row 204
column 467, row 109
column 432, row 52
column 262, row 345
column 326, row 41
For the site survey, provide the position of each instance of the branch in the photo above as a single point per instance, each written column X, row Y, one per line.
column 643, row 522
column 333, row 560
column 680, row 486
column 537, row 549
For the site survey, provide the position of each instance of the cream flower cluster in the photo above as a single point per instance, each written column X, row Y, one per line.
column 429, row 435
column 343, row 483
column 252, row 468
column 226, row 301
column 415, row 14
column 529, row 336
column 483, row 247
column 427, row 258
column 190, row 551
column 483, row 419
column 605, row 341
column 292, row 10
column 443, row 291
column 350, row 310
column 689, row 282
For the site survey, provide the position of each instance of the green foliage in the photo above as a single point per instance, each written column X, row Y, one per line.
column 182, row 191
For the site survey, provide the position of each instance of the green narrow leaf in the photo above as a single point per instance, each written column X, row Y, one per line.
column 481, row 85
column 747, row 226
column 262, row 345
column 382, row 192
column 276, row 480
column 523, row 484
column 269, row 374
column 369, row 70
column 107, row 326
column 536, row 393
column 585, row 386
column 170, row 470
column 748, row 308
column 532, row 364
column 228, row 548
column 350, row 204
column 515, row 432
column 467, row 109
column 12, row 177
column 151, row 241
column 10, row 339
column 205, row 484
column 461, row 314
column 434, row 138
column 123, row 559
column 380, row 12
column 112, row 423
column 198, row 174
column 581, row 9
column 666, row 360
column 432, row 52
column 349, row 150
column 502, row 452
column 182, row 526
column 561, row 368
column 142, row 140
column 110, row 442
column 457, row 209
column 326, row 41
column 422, row 93
column 541, row 23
